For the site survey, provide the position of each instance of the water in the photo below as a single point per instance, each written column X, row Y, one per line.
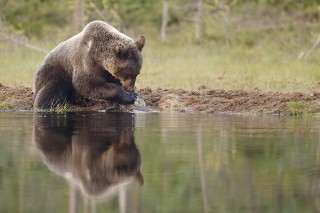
column 91, row 162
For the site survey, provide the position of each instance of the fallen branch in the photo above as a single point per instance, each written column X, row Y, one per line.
column 22, row 43
column 314, row 46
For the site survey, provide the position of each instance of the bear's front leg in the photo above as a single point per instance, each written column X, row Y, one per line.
column 105, row 91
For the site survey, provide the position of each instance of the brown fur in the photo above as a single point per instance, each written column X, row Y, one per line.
column 98, row 63
column 95, row 152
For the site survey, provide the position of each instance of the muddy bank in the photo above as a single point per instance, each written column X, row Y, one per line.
column 202, row 100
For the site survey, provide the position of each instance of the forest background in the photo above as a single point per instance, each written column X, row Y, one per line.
column 267, row 45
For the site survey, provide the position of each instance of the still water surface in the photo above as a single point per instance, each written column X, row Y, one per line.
column 121, row 162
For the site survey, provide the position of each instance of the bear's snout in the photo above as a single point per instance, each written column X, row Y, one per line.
column 129, row 85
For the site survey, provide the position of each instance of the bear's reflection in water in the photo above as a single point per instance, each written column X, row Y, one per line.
column 96, row 152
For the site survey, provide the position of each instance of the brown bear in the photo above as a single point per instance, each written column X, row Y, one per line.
column 99, row 63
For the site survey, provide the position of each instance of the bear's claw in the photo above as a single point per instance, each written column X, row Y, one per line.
column 128, row 97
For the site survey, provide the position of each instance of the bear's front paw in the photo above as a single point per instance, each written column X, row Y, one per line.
column 128, row 97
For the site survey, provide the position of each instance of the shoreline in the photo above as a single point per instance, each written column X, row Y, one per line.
column 203, row 100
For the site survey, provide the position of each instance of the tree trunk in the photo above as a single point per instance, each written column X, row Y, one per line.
column 202, row 172
column 164, row 23
column 198, row 20
column 78, row 15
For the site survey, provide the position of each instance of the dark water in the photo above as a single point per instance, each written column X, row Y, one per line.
column 91, row 162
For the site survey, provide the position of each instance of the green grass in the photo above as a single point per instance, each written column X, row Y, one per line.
column 260, row 67
column 259, row 59
column 18, row 64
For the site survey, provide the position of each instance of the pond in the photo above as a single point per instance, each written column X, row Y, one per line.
column 158, row 162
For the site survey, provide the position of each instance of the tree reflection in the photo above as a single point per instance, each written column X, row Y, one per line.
column 95, row 152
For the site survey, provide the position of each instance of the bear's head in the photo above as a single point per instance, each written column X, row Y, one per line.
column 115, row 52
column 127, row 62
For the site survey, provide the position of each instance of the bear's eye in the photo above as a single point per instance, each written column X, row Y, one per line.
column 124, row 55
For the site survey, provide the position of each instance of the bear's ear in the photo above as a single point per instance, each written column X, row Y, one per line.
column 140, row 42
column 120, row 48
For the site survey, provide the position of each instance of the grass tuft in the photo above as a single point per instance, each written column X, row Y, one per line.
column 4, row 105
column 297, row 108
column 61, row 107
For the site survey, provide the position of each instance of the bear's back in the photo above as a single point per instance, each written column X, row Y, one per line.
column 103, row 29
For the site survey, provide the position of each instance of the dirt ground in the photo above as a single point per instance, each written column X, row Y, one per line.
column 203, row 100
